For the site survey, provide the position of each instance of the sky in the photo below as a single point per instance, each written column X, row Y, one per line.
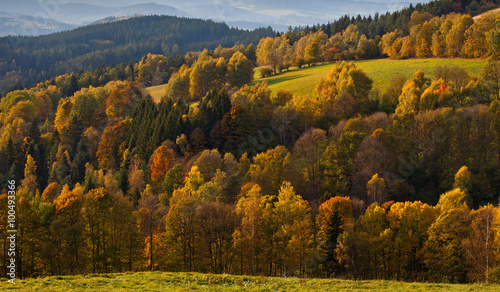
column 177, row 3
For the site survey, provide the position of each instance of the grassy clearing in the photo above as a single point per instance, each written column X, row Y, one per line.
column 164, row 281
column 303, row 81
column 157, row 92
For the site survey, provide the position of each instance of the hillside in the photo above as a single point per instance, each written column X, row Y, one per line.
column 26, row 60
column 302, row 82
column 494, row 11
column 156, row 281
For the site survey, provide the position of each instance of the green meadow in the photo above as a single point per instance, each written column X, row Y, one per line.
column 303, row 81
column 164, row 281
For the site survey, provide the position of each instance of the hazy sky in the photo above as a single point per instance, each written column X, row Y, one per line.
column 177, row 3
column 280, row 13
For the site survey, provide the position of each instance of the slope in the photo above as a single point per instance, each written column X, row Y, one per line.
column 303, row 81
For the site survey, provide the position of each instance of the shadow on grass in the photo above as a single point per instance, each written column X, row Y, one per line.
column 285, row 77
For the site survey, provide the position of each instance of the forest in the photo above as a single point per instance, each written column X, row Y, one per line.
column 27, row 60
column 223, row 175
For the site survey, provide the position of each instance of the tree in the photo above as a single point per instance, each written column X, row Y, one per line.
column 490, row 75
column 444, row 254
column 269, row 169
column 376, row 190
column 97, row 207
column 409, row 223
column 150, row 219
column 208, row 163
column 249, row 236
column 344, row 77
column 118, row 105
column 171, row 182
column 456, row 36
column 268, row 54
column 294, row 234
column 337, row 161
column 135, row 178
column 67, row 233
column 479, row 246
column 203, row 77
column 409, row 100
column 334, row 217
column 51, row 192
column 113, row 143
column 257, row 100
column 424, row 41
column 308, row 150
column 239, row 70
column 311, row 53
column 178, row 85
column 182, row 230
column 217, row 225
column 29, row 181
column 161, row 161
column 462, row 179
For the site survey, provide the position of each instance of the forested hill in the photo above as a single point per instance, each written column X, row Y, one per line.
column 25, row 60
column 379, row 24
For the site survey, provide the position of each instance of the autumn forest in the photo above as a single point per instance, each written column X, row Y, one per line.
column 224, row 175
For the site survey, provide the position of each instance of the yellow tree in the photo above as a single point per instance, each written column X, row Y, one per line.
column 96, row 210
column 344, row 76
column 29, row 181
column 182, row 230
column 424, row 41
column 294, row 235
column 376, row 189
column 456, row 36
column 239, row 70
column 480, row 245
column 476, row 44
column 270, row 169
column 444, row 254
column 409, row 223
column 248, row 237
column 178, row 85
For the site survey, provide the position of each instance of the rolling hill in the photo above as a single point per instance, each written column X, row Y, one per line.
column 303, row 81
column 29, row 59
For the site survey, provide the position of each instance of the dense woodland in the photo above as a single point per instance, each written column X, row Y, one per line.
column 27, row 60
column 226, row 177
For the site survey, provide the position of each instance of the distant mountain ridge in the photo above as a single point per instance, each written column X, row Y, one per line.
column 27, row 25
column 244, row 14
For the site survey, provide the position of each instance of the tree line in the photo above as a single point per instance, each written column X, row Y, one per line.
column 426, row 36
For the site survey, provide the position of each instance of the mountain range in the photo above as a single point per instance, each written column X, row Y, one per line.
column 36, row 17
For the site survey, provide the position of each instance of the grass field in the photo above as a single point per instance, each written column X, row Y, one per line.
column 303, row 81
column 156, row 92
column 164, row 281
